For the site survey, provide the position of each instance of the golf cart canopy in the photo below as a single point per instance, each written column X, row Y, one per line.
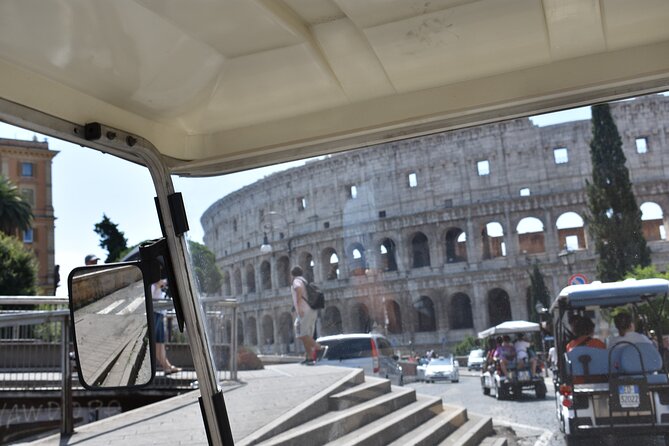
column 225, row 85
column 509, row 327
column 610, row 294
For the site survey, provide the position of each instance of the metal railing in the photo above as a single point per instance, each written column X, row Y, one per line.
column 35, row 349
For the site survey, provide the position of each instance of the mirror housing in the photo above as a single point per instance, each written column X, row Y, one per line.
column 112, row 330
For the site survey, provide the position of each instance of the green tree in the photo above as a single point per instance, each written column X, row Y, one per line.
column 614, row 219
column 111, row 239
column 538, row 292
column 207, row 274
column 18, row 268
column 15, row 212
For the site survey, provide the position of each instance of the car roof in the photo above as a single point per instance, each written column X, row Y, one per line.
column 610, row 293
column 350, row 336
column 228, row 85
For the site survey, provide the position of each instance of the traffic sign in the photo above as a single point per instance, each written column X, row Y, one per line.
column 577, row 279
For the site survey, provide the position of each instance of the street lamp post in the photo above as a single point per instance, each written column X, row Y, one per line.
column 566, row 256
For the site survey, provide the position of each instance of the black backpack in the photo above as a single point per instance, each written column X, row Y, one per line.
column 314, row 297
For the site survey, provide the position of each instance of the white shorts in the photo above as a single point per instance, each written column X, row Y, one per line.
column 304, row 326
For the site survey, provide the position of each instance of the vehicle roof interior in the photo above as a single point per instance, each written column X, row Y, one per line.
column 219, row 86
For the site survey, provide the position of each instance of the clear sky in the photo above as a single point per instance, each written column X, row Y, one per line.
column 88, row 184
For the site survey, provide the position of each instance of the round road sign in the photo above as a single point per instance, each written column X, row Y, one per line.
column 577, row 279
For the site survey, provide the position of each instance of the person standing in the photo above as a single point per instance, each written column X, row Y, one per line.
column 91, row 259
column 157, row 294
column 305, row 316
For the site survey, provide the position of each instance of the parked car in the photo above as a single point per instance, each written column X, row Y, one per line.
column 442, row 368
column 476, row 359
column 369, row 351
column 420, row 369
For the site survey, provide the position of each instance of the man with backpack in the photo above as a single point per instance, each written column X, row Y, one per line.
column 305, row 320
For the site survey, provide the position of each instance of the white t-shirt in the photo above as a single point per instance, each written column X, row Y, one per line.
column 299, row 282
column 521, row 346
column 630, row 336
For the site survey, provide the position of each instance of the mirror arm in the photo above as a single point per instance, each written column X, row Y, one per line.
column 149, row 253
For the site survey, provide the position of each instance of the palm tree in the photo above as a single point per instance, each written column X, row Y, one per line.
column 15, row 212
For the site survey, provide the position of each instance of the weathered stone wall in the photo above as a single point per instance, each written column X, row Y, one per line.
column 448, row 194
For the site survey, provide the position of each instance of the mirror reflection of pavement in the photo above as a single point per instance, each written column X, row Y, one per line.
column 112, row 338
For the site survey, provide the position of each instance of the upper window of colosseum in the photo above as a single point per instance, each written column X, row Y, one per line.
column 641, row 145
column 352, row 191
column 483, row 167
column 561, row 155
column 413, row 179
column 525, row 192
column 301, row 203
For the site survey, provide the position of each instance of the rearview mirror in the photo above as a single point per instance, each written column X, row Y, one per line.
column 112, row 333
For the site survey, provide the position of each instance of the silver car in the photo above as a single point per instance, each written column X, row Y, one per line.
column 369, row 351
column 443, row 368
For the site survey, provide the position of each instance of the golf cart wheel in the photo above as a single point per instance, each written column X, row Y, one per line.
column 540, row 391
column 486, row 390
column 500, row 392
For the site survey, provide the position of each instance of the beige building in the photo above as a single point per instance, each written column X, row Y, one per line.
column 27, row 164
column 431, row 239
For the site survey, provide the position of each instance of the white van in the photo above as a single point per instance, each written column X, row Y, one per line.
column 369, row 351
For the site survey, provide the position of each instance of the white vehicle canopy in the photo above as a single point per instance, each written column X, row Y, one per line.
column 610, row 294
column 510, row 327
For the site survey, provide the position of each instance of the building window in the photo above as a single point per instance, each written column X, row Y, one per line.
column 301, row 203
column 525, row 192
column 413, row 179
column 641, row 145
column 326, row 224
column 28, row 236
column 483, row 167
column 234, row 225
column 560, row 155
column 352, row 191
column 27, row 169
column 28, row 195
column 382, row 214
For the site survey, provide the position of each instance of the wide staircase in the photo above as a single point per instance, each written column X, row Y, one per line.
column 362, row 410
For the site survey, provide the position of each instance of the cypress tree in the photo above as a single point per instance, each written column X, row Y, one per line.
column 614, row 219
column 538, row 292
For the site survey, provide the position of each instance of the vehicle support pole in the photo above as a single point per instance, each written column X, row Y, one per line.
column 66, row 417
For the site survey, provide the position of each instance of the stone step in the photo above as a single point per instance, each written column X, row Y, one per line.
column 436, row 429
column 494, row 441
column 388, row 428
column 472, row 433
column 336, row 424
column 371, row 388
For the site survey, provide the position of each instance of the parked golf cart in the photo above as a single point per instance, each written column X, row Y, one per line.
column 517, row 380
column 622, row 390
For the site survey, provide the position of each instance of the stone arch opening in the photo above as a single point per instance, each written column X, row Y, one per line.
column 286, row 334
column 425, row 317
column 330, row 262
column 499, row 306
column 267, row 330
column 652, row 221
column 240, row 332
column 387, row 252
column 492, row 239
column 265, row 275
column 307, row 264
column 571, row 232
column 461, row 312
column 360, row 320
column 227, row 284
column 331, row 323
column 251, row 331
column 357, row 258
column 456, row 245
column 250, row 279
column 238, row 281
column 283, row 271
column 420, row 250
column 531, row 237
column 393, row 317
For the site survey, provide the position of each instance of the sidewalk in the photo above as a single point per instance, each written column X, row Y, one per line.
column 260, row 396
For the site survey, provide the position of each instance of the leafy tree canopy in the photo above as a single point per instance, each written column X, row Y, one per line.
column 15, row 212
column 207, row 274
column 111, row 239
column 18, row 268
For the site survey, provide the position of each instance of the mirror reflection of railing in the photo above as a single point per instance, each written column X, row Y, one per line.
column 109, row 311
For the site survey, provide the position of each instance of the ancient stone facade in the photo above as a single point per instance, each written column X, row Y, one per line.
column 430, row 239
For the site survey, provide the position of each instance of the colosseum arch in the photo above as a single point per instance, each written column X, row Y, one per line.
column 357, row 259
column 388, row 255
column 393, row 316
column 420, row 250
column 240, row 332
column 285, row 328
column 267, row 330
column 361, row 322
column 652, row 221
column 228, row 332
column 425, row 317
column 571, row 232
column 283, row 271
column 461, row 312
column 250, row 278
column 492, row 239
column 265, row 275
column 251, row 331
column 238, row 281
column 531, row 236
column 307, row 264
column 499, row 306
column 331, row 323
column 227, row 284
column 330, row 262
column 456, row 245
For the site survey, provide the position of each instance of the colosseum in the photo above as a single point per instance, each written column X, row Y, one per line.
column 430, row 239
